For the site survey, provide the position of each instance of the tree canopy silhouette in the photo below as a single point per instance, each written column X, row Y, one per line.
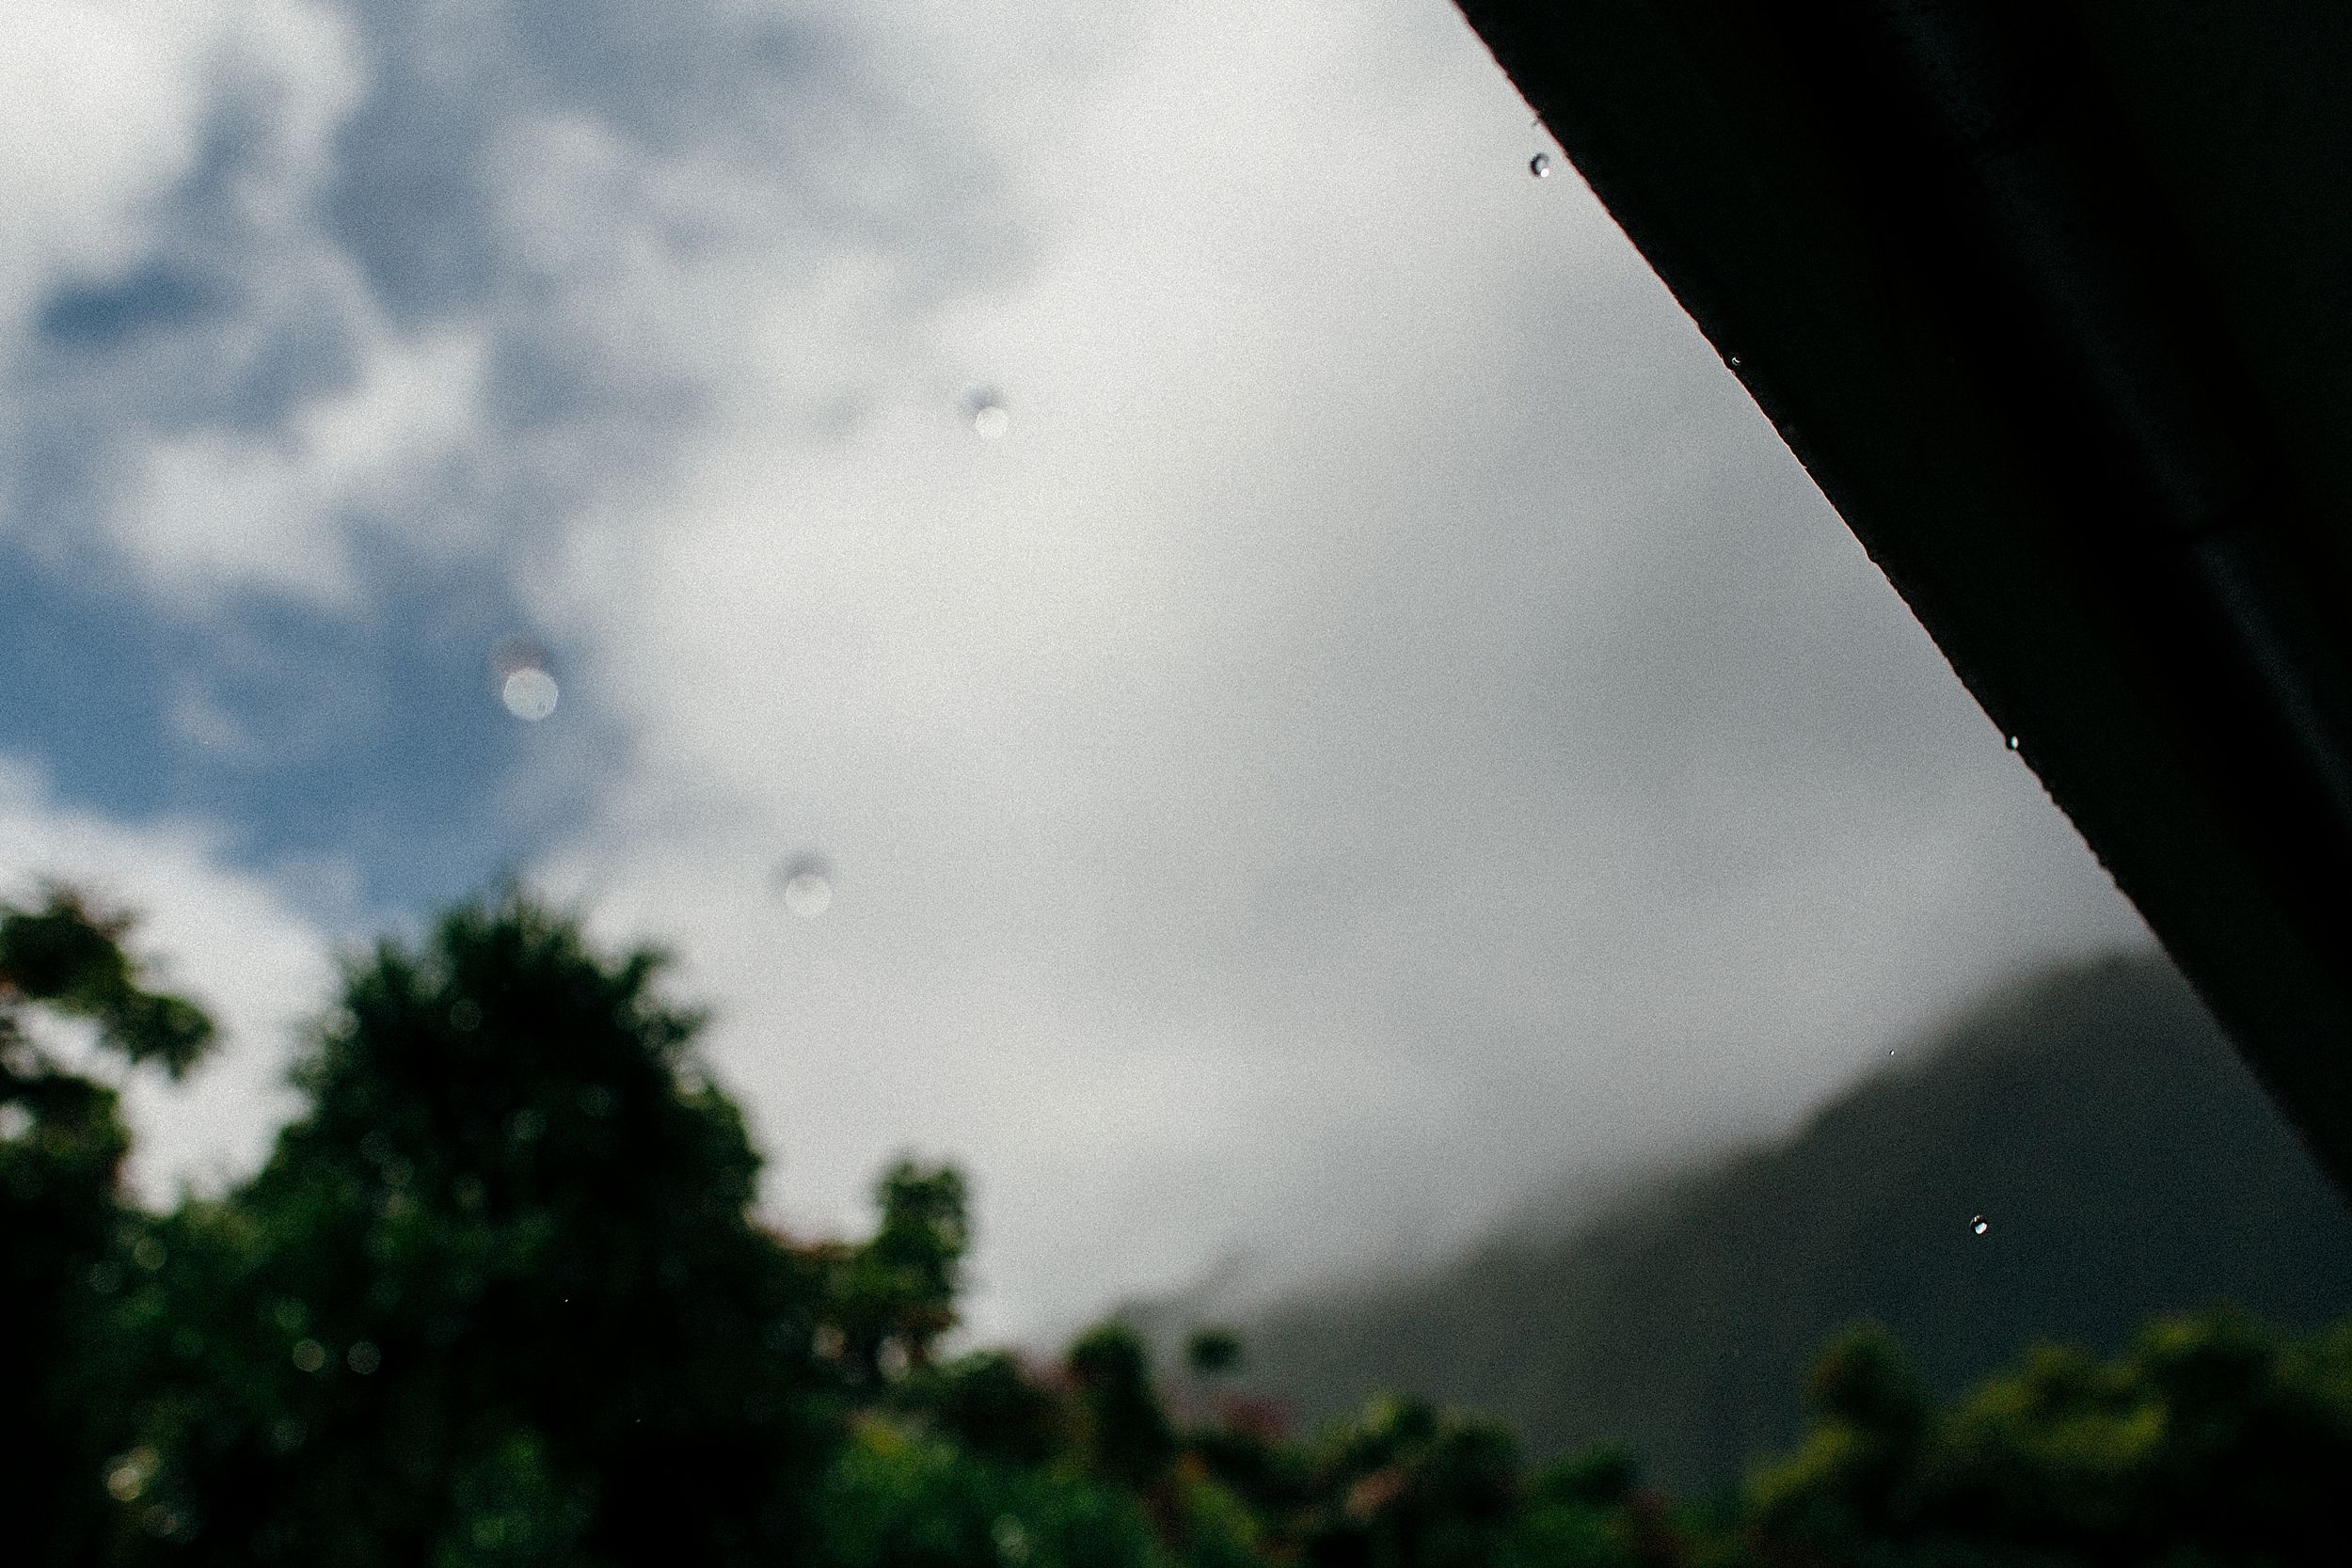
column 499, row 1296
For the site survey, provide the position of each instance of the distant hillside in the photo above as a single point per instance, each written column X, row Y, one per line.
column 2125, row 1163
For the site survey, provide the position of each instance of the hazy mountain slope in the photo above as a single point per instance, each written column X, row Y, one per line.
column 2122, row 1158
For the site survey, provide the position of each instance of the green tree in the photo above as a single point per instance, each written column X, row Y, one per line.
column 1125, row 1433
column 1406, row 1486
column 902, row 1500
column 2215, row 1441
column 890, row 1299
column 496, row 1297
column 987, row 1402
column 71, row 1243
column 1212, row 1353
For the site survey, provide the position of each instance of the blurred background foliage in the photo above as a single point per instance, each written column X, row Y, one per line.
column 499, row 1296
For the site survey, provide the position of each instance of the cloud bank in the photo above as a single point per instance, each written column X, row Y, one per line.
column 1383, row 722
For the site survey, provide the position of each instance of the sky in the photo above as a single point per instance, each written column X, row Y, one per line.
column 1381, row 725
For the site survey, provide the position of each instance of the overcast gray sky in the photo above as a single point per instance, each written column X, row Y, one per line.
column 1386, row 724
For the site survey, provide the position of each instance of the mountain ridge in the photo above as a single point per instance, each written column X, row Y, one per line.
column 2123, row 1159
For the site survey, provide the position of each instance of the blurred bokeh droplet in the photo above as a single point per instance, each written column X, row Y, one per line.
column 807, row 883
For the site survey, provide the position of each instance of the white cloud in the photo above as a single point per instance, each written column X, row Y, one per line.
column 1387, row 722
column 281, row 508
column 100, row 103
column 225, row 937
column 103, row 106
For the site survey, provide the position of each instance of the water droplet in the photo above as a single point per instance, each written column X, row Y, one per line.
column 530, row 693
column 148, row 1253
column 807, row 886
column 1978, row 1225
column 986, row 406
column 2013, row 743
column 364, row 1358
column 15, row 1121
column 1012, row 1542
column 308, row 1355
column 1733, row 360
column 128, row 1476
column 1540, row 166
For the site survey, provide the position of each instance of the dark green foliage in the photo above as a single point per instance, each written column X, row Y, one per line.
column 895, row 1295
column 1213, row 1351
column 2127, row 1164
column 497, row 1297
column 897, row 1502
column 1406, row 1486
column 2215, row 1441
column 71, row 1248
column 1123, row 1429
column 71, row 960
column 991, row 1405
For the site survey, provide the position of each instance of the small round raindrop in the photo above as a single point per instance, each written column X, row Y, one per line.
column 807, row 886
column 1978, row 1225
column 1540, row 166
column 363, row 1358
column 530, row 693
column 308, row 1355
column 128, row 1475
column 985, row 407
column 2013, row 743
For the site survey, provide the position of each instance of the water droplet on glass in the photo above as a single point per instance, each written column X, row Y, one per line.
column 148, row 1253
column 1733, row 360
column 128, row 1476
column 308, row 1355
column 2013, row 743
column 807, row 886
column 519, row 668
column 15, row 1121
column 530, row 693
column 1540, row 166
column 364, row 1358
column 986, row 406
column 1978, row 1225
